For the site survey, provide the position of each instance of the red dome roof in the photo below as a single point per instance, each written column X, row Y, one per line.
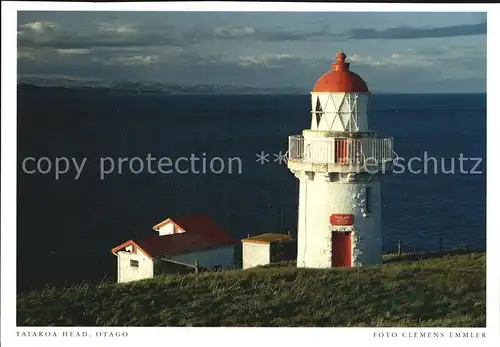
column 340, row 79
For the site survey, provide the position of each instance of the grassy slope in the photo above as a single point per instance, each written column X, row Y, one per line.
column 430, row 292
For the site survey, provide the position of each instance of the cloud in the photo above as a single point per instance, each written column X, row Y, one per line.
column 442, row 57
column 408, row 57
column 26, row 54
column 418, row 33
column 233, row 32
column 124, row 49
column 39, row 27
column 425, row 69
column 116, row 28
column 73, row 51
column 137, row 60
column 37, row 32
column 267, row 61
column 280, row 35
column 126, row 35
column 439, row 58
column 451, row 51
column 103, row 35
column 367, row 60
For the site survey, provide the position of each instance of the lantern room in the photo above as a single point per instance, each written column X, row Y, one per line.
column 340, row 100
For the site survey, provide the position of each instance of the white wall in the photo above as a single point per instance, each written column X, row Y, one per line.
column 169, row 229
column 342, row 111
column 209, row 258
column 255, row 254
column 318, row 200
column 127, row 273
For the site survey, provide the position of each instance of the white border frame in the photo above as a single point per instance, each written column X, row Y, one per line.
column 292, row 337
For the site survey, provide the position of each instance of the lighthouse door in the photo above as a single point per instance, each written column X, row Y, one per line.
column 341, row 249
column 341, row 151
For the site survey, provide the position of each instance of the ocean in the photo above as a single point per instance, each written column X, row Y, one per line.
column 67, row 226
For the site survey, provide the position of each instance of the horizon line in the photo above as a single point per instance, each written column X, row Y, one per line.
column 270, row 93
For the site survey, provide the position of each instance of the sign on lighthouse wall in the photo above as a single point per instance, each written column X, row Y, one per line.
column 342, row 219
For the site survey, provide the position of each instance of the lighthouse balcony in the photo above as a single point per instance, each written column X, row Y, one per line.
column 332, row 154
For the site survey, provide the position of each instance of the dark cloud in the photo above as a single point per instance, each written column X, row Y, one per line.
column 147, row 36
column 108, row 35
column 242, row 32
column 418, row 33
column 95, row 42
column 280, row 35
column 127, row 37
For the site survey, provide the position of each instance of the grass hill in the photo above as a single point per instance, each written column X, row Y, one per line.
column 428, row 291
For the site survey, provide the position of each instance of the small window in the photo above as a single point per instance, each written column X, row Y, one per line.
column 368, row 200
column 318, row 113
column 134, row 263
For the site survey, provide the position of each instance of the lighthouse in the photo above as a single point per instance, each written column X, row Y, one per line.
column 339, row 163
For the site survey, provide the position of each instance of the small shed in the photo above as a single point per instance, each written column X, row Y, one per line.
column 268, row 248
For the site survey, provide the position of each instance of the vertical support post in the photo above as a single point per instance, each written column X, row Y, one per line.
column 196, row 266
column 441, row 252
column 399, row 248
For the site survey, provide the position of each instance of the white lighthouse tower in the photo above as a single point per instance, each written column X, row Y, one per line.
column 339, row 162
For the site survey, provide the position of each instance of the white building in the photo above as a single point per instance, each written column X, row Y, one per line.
column 339, row 162
column 267, row 248
column 190, row 240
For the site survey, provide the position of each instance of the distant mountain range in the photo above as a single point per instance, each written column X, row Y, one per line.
column 151, row 87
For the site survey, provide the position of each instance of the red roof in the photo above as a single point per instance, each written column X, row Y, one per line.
column 340, row 79
column 200, row 232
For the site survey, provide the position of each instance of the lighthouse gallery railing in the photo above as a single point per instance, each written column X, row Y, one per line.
column 341, row 151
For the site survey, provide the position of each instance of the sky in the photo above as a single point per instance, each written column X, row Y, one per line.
column 393, row 52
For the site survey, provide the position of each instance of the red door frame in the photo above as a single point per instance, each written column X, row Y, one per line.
column 342, row 249
column 341, row 152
